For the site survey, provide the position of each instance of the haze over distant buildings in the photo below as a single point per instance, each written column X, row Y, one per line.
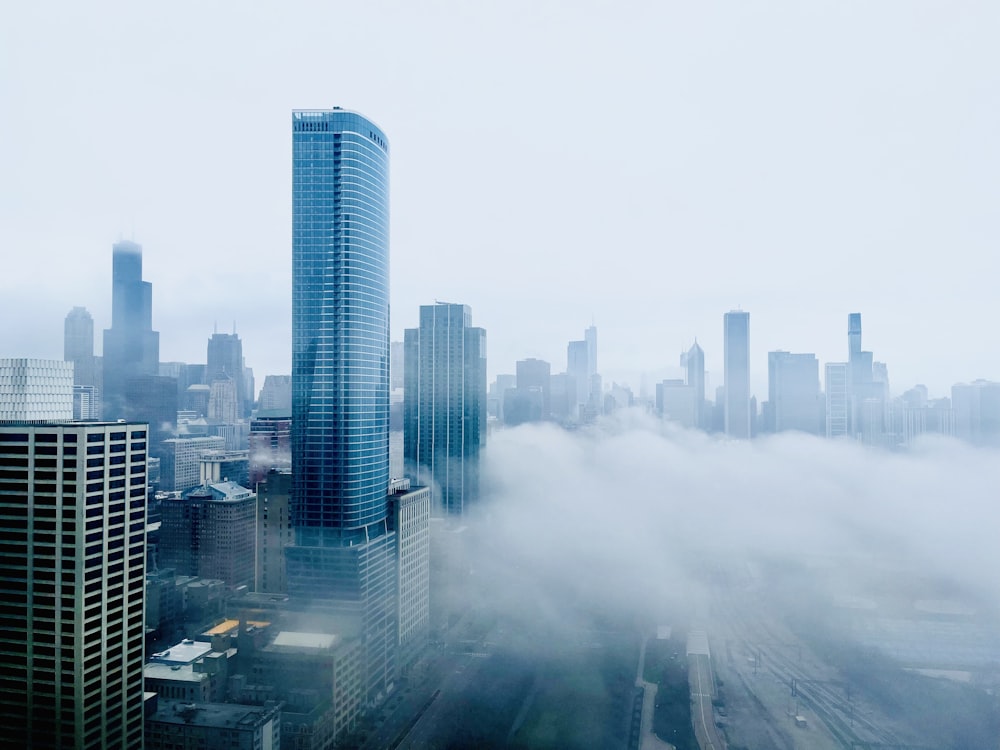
column 725, row 197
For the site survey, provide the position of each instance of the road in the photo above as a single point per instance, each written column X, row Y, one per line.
column 702, row 685
column 427, row 731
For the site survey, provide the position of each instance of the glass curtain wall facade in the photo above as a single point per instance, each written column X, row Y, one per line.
column 736, row 340
column 444, row 407
column 343, row 554
column 340, row 324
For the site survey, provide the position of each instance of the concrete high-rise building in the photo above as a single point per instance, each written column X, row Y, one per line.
column 40, row 389
column 131, row 346
column 274, row 532
column 180, row 464
column 175, row 724
column 225, row 466
column 793, row 392
column 837, row 399
column 344, row 555
column 73, row 499
column 444, row 404
column 736, row 340
column 411, row 519
column 224, row 401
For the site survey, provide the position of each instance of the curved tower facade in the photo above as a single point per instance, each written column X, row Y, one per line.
column 340, row 324
column 343, row 559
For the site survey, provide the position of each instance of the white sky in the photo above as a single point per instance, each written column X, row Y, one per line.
column 647, row 166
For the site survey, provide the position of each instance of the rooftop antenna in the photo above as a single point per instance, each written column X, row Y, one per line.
column 234, row 327
column 215, row 327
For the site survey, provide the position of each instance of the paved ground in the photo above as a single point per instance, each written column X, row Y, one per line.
column 702, row 692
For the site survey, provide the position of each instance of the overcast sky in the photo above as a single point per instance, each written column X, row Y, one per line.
column 645, row 166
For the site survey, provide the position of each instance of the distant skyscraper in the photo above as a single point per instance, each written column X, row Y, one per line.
column 224, row 401
column 153, row 399
column 344, row 551
column 590, row 336
column 131, row 346
column 78, row 348
column 694, row 361
column 675, row 401
column 736, row 335
column 530, row 399
column 793, row 392
column 72, row 578
column 444, row 404
column 837, row 400
column 578, row 369
column 868, row 395
column 977, row 411
column 853, row 337
column 36, row 389
column 225, row 362
column 276, row 394
column 78, row 340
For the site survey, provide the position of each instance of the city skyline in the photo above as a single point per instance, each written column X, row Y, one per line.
column 638, row 170
column 721, row 199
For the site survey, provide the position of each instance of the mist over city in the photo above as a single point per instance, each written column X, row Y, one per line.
column 509, row 375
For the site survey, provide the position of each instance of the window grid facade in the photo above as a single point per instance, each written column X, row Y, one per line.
column 72, row 570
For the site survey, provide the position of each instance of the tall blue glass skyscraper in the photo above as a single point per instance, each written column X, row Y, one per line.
column 344, row 552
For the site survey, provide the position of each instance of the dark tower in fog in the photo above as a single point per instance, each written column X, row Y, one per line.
column 131, row 346
column 78, row 348
column 78, row 341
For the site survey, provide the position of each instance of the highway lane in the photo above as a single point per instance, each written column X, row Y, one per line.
column 702, row 692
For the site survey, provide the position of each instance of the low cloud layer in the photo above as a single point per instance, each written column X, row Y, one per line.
column 627, row 511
